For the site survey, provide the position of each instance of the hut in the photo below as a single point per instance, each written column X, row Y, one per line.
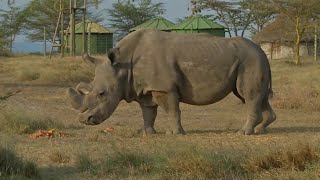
column 156, row 23
column 99, row 39
column 277, row 39
column 199, row 24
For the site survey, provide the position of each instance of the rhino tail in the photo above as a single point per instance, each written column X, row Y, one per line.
column 270, row 93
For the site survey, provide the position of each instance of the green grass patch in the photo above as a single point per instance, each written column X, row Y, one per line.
column 172, row 164
column 13, row 167
column 23, row 122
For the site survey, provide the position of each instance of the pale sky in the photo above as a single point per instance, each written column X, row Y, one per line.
column 174, row 9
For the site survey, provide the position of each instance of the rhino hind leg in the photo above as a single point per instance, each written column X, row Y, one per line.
column 236, row 93
column 170, row 104
column 268, row 117
column 149, row 116
column 254, row 116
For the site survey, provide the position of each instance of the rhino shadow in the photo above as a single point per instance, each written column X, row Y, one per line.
column 214, row 131
column 270, row 130
column 58, row 172
column 297, row 129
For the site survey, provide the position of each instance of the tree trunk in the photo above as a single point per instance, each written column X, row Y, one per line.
column 297, row 50
column 297, row 43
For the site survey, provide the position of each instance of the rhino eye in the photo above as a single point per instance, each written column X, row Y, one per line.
column 101, row 94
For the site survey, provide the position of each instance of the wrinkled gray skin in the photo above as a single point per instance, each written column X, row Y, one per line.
column 156, row 68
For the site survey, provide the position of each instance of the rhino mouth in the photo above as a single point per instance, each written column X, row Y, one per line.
column 88, row 118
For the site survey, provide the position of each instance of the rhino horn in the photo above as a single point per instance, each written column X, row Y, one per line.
column 75, row 98
column 83, row 88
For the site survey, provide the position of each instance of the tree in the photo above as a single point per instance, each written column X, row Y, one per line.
column 3, row 42
column 11, row 22
column 128, row 14
column 232, row 14
column 10, row 2
column 301, row 14
column 41, row 14
column 262, row 12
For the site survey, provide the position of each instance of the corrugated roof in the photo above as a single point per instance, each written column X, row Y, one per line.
column 157, row 23
column 92, row 26
column 197, row 22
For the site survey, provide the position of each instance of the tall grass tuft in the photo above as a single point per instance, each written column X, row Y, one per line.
column 197, row 164
column 58, row 156
column 298, row 159
column 84, row 163
column 27, row 74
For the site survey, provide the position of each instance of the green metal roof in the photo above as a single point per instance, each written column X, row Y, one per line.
column 197, row 22
column 157, row 23
column 92, row 26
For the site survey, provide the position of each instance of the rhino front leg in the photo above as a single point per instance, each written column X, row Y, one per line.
column 149, row 116
column 170, row 103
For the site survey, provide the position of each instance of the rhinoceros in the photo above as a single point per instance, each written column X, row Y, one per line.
column 156, row 68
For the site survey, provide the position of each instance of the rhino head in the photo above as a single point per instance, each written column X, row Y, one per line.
column 99, row 99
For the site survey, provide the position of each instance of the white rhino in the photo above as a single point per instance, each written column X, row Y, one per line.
column 156, row 68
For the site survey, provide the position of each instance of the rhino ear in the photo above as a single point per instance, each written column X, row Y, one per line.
column 113, row 55
column 75, row 98
column 91, row 60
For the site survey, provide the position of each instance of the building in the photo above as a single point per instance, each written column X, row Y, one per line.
column 159, row 23
column 277, row 39
column 98, row 38
column 198, row 24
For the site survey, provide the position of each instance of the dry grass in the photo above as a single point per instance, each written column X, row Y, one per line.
column 210, row 150
column 296, row 87
column 37, row 70
column 296, row 158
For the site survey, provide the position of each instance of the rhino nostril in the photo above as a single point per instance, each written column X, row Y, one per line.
column 84, row 110
column 90, row 119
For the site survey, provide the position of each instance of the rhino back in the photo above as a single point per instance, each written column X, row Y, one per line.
column 202, row 67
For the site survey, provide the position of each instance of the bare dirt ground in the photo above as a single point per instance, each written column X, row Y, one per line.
column 211, row 128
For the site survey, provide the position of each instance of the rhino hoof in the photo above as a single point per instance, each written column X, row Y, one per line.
column 176, row 132
column 259, row 130
column 149, row 131
column 245, row 132
column 179, row 131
